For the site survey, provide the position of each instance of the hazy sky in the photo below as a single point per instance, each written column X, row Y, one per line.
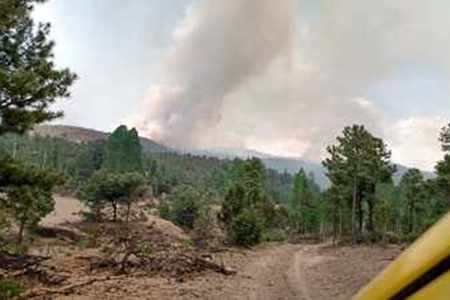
column 282, row 76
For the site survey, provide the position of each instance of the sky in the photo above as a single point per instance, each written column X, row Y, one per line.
column 283, row 77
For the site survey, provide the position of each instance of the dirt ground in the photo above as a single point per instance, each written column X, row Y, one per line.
column 270, row 271
column 267, row 272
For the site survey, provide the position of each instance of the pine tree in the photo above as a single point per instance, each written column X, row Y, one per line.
column 443, row 166
column 26, row 192
column 123, row 151
column 29, row 81
column 412, row 187
column 302, row 204
column 356, row 165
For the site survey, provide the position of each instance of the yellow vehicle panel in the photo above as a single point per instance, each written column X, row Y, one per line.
column 439, row 289
column 416, row 273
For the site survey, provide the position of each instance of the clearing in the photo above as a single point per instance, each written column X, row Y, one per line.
column 270, row 271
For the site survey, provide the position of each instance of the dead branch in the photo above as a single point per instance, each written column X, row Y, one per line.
column 66, row 289
column 203, row 263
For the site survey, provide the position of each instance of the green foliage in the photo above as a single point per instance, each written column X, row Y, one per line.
column 10, row 288
column 444, row 138
column 186, row 206
column 233, row 204
column 29, row 81
column 303, row 204
column 356, row 165
column 123, row 151
column 78, row 161
column 247, row 211
column 247, row 228
column 275, row 236
column 412, row 189
column 113, row 189
column 164, row 210
column 388, row 210
column 26, row 192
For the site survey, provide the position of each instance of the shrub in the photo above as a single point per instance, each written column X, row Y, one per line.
column 247, row 228
column 275, row 236
column 164, row 210
column 186, row 206
column 10, row 288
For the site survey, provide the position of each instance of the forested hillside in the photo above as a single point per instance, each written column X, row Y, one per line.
column 290, row 165
column 96, row 215
column 79, row 134
column 166, row 169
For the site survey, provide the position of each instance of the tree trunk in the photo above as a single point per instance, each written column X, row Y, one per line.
column 114, row 206
column 411, row 218
column 370, row 203
column 335, row 223
column 353, row 211
column 21, row 231
column 99, row 212
column 127, row 217
column 360, row 216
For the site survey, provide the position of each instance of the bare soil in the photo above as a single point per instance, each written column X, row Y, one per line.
column 270, row 271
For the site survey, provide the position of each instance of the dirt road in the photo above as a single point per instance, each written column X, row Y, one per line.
column 307, row 272
column 269, row 272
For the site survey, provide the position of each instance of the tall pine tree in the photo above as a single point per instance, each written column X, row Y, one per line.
column 123, row 151
column 29, row 80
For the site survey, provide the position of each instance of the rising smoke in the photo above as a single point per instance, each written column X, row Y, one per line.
column 218, row 48
column 254, row 74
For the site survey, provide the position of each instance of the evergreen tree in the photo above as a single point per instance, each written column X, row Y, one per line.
column 113, row 189
column 412, row 187
column 357, row 164
column 26, row 192
column 302, row 204
column 443, row 166
column 123, row 151
column 29, row 81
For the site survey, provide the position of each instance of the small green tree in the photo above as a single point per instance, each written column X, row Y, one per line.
column 247, row 228
column 133, row 186
column 412, row 187
column 27, row 192
column 233, row 204
column 384, row 214
column 302, row 204
column 186, row 206
column 113, row 189
column 246, row 206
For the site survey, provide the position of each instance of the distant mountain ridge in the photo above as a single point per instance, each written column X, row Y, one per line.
column 285, row 164
column 289, row 164
column 80, row 134
column 226, row 153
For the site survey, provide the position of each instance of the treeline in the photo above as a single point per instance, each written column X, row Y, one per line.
column 165, row 170
column 363, row 200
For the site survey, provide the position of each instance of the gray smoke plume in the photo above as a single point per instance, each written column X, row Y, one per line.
column 218, row 47
column 266, row 74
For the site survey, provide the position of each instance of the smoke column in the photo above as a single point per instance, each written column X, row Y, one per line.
column 218, row 47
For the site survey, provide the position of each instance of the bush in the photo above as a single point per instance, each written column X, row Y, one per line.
column 164, row 210
column 186, row 207
column 275, row 236
column 10, row 288
column 247, row 228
